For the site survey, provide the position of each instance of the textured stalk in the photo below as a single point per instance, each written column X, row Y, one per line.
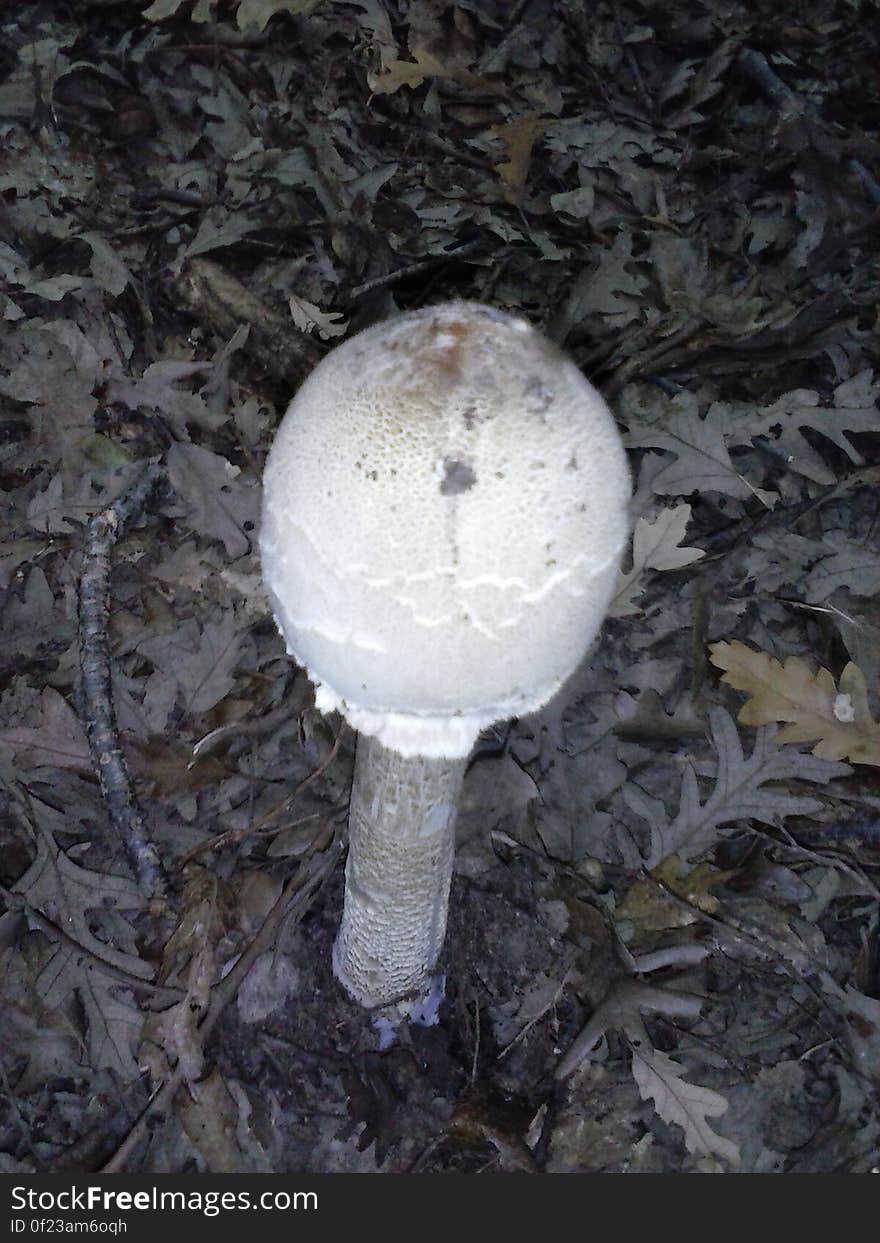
column 400, row 853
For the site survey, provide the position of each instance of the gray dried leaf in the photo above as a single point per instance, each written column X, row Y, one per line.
column 656, row 546
column 66, row 894
column 113, row 1020
column 258, row 12
column 160, row 388
column 218, row 227
column 32, row 620
column 108, row 269
column 220, row 505
column 201, row 659
column 71, row 898
column 689, row 1105
column 854, row 410
column 59, row 742
column 853, row 565
column 739, row 792
column 702, row 462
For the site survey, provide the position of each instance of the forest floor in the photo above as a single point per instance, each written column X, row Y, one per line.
column 662, row 952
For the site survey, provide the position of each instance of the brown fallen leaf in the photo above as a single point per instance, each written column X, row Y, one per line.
column 814, row 706
column 167, row 767
column 649, row 907
column 397, row 73
column 518, row 137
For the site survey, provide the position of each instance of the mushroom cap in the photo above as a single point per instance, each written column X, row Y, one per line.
column 445, row 506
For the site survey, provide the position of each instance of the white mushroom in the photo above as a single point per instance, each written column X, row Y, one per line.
column 445, row 507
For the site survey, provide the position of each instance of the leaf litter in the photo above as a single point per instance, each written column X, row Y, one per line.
column 675, row 913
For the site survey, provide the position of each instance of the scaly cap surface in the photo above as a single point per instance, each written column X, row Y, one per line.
column 445, row 506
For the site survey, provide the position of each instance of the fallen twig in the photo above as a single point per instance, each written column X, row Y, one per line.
column 295, row 900
column 868, row 182
column 224, row 305
column 465, row 251
column 98, row 709
column 755, row 66
column 791, row 105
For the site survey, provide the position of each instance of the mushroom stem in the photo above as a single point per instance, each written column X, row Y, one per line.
column 401, row 847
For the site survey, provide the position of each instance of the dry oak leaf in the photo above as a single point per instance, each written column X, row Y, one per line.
column 814, row 707
column 258, row 12
column 659, row 1078
column 649, row 905
column 656, row 546
column 699, row 445
column 519, row 138
column 71, row 897
column 60, row 741
column 741, row 792
column 308, row 317
column 397, row 73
